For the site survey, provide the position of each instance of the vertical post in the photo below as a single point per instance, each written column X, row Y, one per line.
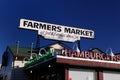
column 78, row 42
column 66, row 74
column 31, row 50
column 37, row 42
column 99, row 75
column 17, row 44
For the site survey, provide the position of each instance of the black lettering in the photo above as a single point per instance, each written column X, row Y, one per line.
column 48, row 27
column 87, row 33
column 73, row 31
column 30, row 24
column 82, row 32
column 42, row 26
column 36, row 25
column 77, row 31
column 59, row 29
column 91, row 33
column 25, row 23
column 53, row 28
column 67, row 30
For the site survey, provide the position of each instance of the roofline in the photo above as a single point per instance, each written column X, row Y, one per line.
column 58, row 42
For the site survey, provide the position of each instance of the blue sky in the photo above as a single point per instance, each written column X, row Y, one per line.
column 102, row 16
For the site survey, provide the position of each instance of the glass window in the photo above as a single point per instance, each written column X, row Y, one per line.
column 81, row 74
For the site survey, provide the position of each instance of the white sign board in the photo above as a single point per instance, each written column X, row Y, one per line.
column 56, row 32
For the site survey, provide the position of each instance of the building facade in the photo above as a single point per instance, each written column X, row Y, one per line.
column 58, row 62
column 13, row 63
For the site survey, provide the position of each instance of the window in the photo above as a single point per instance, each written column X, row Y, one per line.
column 81, row 74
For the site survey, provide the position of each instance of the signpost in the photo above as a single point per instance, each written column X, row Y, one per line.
column 56, row 32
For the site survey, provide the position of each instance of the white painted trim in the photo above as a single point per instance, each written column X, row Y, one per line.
column 85, row 59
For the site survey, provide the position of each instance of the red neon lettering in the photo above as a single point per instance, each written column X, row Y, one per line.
column 92, row 55
column 74, row 54
column 68, row 52
column 81, row 55
column 99, row 56
column 87, row 55
column 118, row 57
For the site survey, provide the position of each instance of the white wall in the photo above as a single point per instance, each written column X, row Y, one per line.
column 111, row 75
column 18, row 63
column 81, row 74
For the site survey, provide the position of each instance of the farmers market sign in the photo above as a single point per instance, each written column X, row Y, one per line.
column 56, row 32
